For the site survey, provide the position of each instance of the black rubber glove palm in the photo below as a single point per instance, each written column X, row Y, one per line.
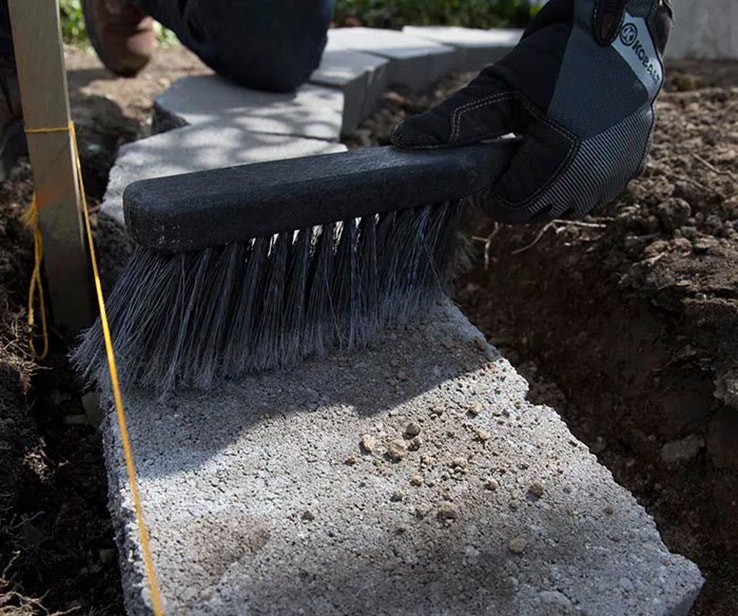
column 579, row 88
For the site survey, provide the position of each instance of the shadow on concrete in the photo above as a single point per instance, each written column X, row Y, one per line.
column 405, row 363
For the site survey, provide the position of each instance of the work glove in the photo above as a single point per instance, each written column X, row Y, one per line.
column 579, row 88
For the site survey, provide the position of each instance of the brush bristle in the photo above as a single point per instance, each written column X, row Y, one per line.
column 188, row 320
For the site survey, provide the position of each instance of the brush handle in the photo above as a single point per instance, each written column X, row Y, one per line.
column 211, row 208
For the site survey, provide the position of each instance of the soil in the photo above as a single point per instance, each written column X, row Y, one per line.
column 626, row 323
column 56, row 544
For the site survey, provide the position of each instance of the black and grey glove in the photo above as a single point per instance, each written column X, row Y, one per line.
column 579, row 88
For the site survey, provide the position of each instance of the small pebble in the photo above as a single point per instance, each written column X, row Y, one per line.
column 492, row 484
column 350, row 461
column 422, row 510
column 368, row 443
column 536, row 489
column 397, row 496
column 609, row 510
column 517, row 545
column 396, row 450
column 459, row 463
column 411, row 430
column 402, row 375
column 482, row 435
column 415, row 444
column 308, row 515
column 416, row 480
column 475, row 408
column 448, row 512
column 513, row 504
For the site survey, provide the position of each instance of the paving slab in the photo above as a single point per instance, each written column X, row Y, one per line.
column 312, row 111
column 706, row 30
column 477, row 48
column 409, row 478
column 361, row 77
column 414, row 62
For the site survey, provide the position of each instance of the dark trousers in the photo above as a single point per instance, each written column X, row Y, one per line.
column 262, row 44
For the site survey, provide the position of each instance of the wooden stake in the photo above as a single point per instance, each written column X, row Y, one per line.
column 43, row 85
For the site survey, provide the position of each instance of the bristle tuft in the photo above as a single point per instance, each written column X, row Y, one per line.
column 185, row 321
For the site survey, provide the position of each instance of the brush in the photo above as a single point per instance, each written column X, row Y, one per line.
column 259, row 266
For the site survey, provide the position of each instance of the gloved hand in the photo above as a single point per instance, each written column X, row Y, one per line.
column 579, row 88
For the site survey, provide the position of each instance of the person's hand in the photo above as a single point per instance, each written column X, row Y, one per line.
column 579, row 88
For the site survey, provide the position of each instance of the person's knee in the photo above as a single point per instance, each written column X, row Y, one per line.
column 267, row 45
column 279, row 61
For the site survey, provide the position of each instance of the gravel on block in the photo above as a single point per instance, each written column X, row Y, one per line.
column 409, row 478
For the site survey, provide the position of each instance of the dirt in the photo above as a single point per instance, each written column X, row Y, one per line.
column 56, row 545
column 625, row 323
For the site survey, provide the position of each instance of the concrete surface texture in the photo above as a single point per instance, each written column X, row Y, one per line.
column 411, row 478
column 704, row 30
column 476, row 48
column 413, row 62
column 311, row 111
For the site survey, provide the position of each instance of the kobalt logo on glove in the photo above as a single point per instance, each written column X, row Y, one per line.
column 638, row 51
column 628, row 34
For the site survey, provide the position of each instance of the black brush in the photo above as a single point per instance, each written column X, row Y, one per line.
column 256, row 267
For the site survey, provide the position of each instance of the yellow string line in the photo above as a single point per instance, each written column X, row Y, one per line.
column 42, row 131
column 156, row 601
column 36, row 286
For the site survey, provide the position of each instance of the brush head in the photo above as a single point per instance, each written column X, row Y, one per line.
column 212, row 208
column 187, row 320
column 257, row 267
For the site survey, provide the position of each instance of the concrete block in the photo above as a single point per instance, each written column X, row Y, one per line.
column 413, row 62
column 409, row 478
column 706, row 30
column 360, row 76
column 200, row 147
column 312, row 111
column 477, row 48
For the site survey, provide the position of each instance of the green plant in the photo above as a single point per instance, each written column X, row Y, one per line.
column 74, row 32
column 469, row 13
column 72, row 22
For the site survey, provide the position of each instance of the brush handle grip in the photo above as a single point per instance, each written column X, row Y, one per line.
column 211, row 208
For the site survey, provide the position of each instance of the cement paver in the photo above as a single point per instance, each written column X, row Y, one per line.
column 312, row 111
column 413, row 62
column 476, row 47
column 261, row 499
column 360, row 76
